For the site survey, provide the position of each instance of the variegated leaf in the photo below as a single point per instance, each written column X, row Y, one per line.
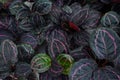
column 66, row 61
column 9, row 52
column 79, row 15
column 110, row 18
column 82, row 70
column 92, row 20
column 105, row 43
column 41, row 63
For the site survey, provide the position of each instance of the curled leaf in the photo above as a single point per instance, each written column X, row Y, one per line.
column 66, row 61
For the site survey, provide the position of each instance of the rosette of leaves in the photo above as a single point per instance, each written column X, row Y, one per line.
column 40, row 63
column 92, row 20
column 29, row 38
column 82, row 70
column 79, row 53
column 25, row 52
column 26, row 24
column 42, row 6
column 57, row 42
column 110, row 18
column 105, row 43
column 66, row 61
column 55, row 69
column 9, row 52
column 23, row 69
column 106, row 73
column 6, row 34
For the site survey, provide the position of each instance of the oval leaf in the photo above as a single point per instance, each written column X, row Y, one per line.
column 41, row 63
column 82, row 70
column 105, row 43
column 9, row 52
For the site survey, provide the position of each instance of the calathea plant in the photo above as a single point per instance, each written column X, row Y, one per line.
column 101, row 42
column 59, row 40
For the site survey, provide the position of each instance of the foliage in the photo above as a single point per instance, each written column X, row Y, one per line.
column 59, row 39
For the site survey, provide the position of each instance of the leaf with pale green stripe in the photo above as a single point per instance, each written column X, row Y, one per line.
column 66, row 61
column 41, row 63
